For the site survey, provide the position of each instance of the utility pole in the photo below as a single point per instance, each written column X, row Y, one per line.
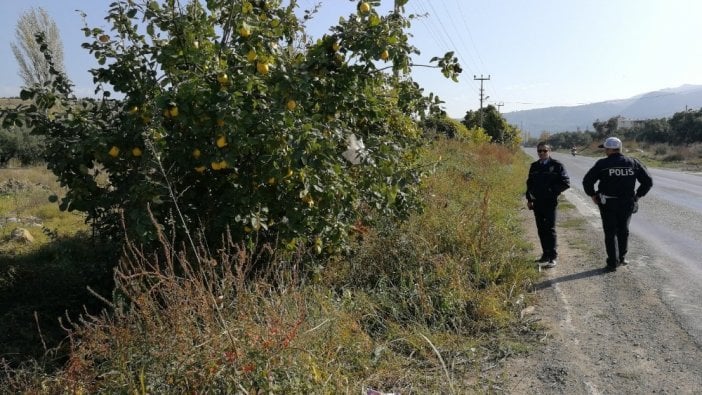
column 499, row 105
column 482, row 91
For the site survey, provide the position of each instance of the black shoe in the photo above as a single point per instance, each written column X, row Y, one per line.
column 623, row 261
column 610, row 268
column 543, row 259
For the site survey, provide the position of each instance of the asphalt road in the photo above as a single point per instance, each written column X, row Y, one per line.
column 665, row 245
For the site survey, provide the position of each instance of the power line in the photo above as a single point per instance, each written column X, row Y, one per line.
column 430, row 29
column 442, row 25
column 443, row 29
column 467, row 28
column 470, row 35
column 455, row 28
column 439, row 34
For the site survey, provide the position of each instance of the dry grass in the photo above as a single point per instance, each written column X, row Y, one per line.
column 686, row 157
column 36, row 175
column 6, row 102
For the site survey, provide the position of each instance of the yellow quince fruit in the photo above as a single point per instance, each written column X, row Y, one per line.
column 171, row 111
column 262, row 68
column 113, row 152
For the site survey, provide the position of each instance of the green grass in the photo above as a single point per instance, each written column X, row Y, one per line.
column 564, row 204
column 573, row 223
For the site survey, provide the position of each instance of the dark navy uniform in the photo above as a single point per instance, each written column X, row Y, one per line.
column 545, row 182
column 617, row 198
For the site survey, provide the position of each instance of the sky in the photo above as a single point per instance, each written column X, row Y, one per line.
column 530, row 54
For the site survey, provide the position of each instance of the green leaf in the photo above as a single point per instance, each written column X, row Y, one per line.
column 391, row 194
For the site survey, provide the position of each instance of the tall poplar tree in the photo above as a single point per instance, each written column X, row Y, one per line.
column 33, row 67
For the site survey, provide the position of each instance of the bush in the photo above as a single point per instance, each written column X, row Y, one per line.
column 676, row 157
column 660, row 149
column 18, row 143
column 442, row 125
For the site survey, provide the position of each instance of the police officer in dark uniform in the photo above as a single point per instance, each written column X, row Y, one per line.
column 616, row 196
column 547, row 179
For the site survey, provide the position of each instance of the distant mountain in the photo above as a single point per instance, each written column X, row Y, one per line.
column 659, row 104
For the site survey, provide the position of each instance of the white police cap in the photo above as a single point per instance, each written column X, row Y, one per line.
column 611, row 143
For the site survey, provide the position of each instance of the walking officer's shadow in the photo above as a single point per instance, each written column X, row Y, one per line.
column 570, row 277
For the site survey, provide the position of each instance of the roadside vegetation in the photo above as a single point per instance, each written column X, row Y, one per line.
column 426, row 304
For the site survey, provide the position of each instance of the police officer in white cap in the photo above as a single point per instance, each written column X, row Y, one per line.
column 616, row 196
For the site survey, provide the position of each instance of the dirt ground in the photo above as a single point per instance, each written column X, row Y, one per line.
column 604, row 333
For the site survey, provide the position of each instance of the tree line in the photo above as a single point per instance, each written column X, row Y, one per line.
column 684, row 127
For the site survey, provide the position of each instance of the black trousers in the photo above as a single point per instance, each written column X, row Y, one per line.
column 545, row 215
column 616, row 216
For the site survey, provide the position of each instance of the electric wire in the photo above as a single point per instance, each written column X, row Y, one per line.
column 431, row 20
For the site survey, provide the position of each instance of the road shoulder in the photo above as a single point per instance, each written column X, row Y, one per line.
column 603, row 332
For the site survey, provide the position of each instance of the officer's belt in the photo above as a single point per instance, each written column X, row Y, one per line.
column 603, row 198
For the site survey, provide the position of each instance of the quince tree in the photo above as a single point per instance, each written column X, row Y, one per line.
column 222, row 116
